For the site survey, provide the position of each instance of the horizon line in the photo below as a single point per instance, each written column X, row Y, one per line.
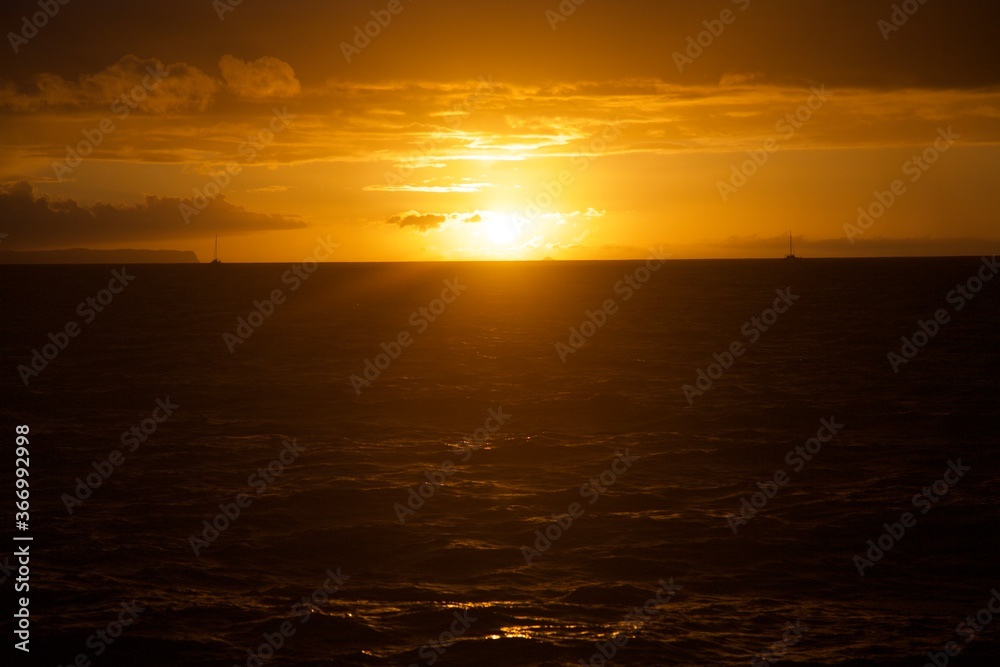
column 506, row 261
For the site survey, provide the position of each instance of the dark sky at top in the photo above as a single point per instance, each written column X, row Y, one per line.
column 945, row 44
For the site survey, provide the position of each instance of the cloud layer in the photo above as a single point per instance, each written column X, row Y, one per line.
column 38, row 221
column 170, row 88
column 428, row 221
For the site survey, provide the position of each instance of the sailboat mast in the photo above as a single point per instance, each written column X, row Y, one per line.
column 216, row 246
column 791, row 247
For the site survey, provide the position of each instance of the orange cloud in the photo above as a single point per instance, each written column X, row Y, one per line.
column 263, row 79
column 171, row 88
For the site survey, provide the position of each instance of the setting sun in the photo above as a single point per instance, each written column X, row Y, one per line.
column 501, row 230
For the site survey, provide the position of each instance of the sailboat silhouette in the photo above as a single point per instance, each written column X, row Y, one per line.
column 791, row 248
column 216, row 260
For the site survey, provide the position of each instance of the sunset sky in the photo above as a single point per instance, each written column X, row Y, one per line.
column 501, row 130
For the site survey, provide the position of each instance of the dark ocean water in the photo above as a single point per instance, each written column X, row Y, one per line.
column 663, row 518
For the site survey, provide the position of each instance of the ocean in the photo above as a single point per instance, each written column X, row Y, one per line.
column 533, row 464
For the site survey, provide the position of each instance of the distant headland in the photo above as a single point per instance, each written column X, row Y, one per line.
column 88, row 256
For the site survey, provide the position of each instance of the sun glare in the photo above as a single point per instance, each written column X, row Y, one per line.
column 500, row 228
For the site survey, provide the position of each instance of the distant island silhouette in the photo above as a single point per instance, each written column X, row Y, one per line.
column 89, row 256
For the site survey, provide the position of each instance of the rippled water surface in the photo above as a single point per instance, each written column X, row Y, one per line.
column 468, row 548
